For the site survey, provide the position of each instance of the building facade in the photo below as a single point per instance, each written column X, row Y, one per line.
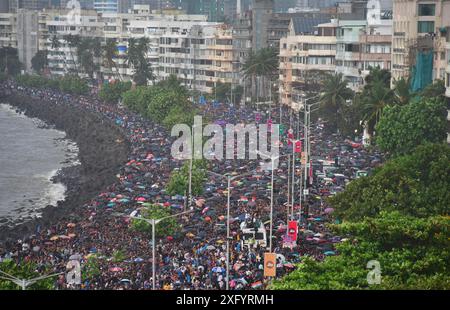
column 27, row 36
column 261, row 14
column 303, row 59
column 375, row 46
column 447, row 84
column 106, row 6
column 348, row 61
column 8, row 32
column 419, row 26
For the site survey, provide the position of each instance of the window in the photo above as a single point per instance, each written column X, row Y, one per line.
column 427, row 9
column 425, row 27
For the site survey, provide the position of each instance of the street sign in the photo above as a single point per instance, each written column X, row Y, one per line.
column 270, row 264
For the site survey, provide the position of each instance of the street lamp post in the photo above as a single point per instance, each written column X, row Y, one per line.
column 154, row 222
column 24, row 283
column 229, row 179
column 272, row 159
column 307, row 124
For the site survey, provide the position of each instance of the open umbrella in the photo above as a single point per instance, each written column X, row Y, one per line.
column 75, row 257
column 217, row 269
column 289, row 265
column 115, row 269
column 329, row 253
column 138, row 260
column 125, row 281
column 328, row 210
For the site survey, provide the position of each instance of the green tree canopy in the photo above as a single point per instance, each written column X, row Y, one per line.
column 436, row 89
column 402, row 128
column 165, row 228
column 9, row 61
column 399, row 217
column 333, row 100
column 39, row 61
column 112, row 92
column 179, row 179
column 164, row 103
column 415, row 184
column 412, row 253
column 24, row 270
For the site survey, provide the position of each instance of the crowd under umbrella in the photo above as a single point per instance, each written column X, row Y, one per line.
column 141, row 184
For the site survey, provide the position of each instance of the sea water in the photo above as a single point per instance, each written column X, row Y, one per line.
column 31, row 154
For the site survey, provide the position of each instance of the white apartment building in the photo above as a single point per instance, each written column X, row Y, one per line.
column 53, row 26
column 198, row 52
column 348, row 47
column 8, row 31
column 419, row 25
column 303, row 58
column 375, row 46
column 362, row 45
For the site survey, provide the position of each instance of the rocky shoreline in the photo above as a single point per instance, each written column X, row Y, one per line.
column 102, row 151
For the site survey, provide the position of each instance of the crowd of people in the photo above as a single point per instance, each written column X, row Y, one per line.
column 194, row 257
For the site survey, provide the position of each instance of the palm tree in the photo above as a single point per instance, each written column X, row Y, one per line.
column 374, row 102
column 263, row 63
column 334, row 96
column 402, row 91
column 109, row 54
column 73, row 41
column 377, row 74
column 87, row 52
column 137, row 59
column 55, row 45
column 132, row 53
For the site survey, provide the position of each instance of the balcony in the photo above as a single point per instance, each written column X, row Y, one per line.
column 367, row 38
column 399, row 34
column 348, row 71
column 347, row 55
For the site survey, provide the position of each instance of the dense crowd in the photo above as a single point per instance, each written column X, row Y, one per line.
column 195, row 256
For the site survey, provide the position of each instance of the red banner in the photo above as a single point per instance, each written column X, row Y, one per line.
column 298, row 146
column 293, row 230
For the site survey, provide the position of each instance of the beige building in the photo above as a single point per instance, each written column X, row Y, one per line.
column 8, row 33
column 303, row 58
column 198, row 52
column 375, row 46
column 447, row 83
column 419, row 25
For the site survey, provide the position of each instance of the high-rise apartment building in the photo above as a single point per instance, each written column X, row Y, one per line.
column 8, row 33
column 306, row 54
column 106, row 6
column 262, row 11
column 419, row 31
column 27, row 36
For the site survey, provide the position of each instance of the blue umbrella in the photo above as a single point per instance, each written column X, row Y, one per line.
column 217, row 269
column 329, row 253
